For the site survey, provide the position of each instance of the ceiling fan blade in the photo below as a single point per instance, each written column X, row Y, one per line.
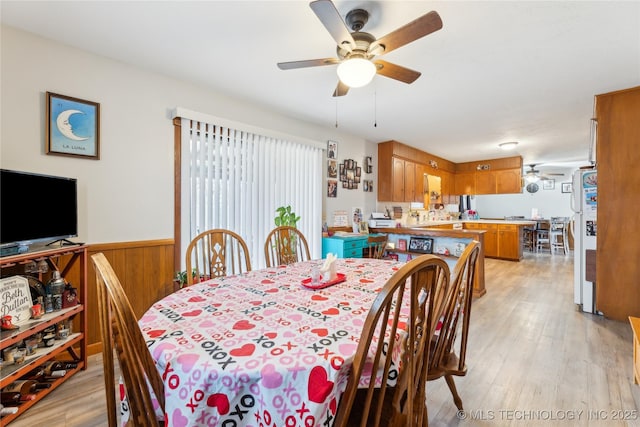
column 331, row 19
column 341, row 89
column 420, row 27
column 396, row 72
column 307, row 63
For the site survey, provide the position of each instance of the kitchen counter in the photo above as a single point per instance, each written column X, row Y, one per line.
column 502, row 239
column 463, row 221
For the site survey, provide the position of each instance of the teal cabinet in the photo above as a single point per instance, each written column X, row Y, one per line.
column 344, row 246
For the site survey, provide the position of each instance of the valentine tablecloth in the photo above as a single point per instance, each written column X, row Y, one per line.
column 260, row 349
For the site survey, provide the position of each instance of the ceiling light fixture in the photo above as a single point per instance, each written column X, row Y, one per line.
column 508, row 145
column 356, row 72
column 532, row 178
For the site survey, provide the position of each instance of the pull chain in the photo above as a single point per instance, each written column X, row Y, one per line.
column 336, row 111
column 375, row 108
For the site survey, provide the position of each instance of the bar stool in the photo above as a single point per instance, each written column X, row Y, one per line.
column 558, row 235
column 542, row 236
column 528, row 238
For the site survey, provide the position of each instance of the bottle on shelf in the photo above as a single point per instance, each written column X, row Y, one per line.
column 55, row 288
column 58, row 368
column 7, row 410
column 21, row 386
column 26, row 389
column 39, row 377
column 9, row 398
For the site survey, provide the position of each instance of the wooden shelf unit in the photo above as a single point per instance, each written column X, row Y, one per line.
column 70, row 261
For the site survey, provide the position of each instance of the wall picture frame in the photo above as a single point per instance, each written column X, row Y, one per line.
column 350, row 173
column 423, row 245
column 332, row 188
column 72, row 126
column 332, row 169
column 566, row 187
column 548, row 184
column 332, row 150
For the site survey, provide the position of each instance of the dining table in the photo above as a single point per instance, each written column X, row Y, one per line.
column 269, row 347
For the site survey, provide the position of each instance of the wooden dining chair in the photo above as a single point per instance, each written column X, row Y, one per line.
column 448, row 356
column 377, row 245
column 285, row 245
column 416, row 290
column 216, row 253
column 120, row 332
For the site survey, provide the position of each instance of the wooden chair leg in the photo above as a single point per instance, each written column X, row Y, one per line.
column 452, row 386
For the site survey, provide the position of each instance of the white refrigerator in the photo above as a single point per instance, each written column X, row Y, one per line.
column 584, row 202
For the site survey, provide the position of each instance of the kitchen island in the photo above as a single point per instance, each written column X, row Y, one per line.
column 447, row 243
column 502, row 240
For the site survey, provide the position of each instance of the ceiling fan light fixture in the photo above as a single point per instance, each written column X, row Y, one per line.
column 508, row 145
column 532, row 177
column 356, row 72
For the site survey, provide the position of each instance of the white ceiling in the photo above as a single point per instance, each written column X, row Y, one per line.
column 496, row 72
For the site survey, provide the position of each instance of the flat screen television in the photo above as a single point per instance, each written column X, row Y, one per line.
column 36, row 208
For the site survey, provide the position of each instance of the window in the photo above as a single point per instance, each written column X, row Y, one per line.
column 236, row 178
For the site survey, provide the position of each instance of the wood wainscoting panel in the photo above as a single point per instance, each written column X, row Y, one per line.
column 146, row 271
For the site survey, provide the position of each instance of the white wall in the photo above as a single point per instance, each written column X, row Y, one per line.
column 127, row 195
column 550, row 203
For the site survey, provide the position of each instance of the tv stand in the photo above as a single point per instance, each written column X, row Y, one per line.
column 72, row 265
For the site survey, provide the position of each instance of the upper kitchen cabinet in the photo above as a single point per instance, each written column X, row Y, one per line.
column 401, row 171
column 494, row 176
column 464, row 183
column 509, row 181
column 485, row 182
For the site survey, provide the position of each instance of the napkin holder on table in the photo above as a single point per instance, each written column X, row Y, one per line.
column 328, row 269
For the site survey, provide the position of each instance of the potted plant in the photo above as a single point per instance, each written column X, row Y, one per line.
column 286, row 217
column 180, row 279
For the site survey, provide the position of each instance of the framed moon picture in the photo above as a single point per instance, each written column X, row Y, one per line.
column 72, row 127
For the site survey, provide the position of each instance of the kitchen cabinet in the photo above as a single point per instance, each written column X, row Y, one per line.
column 509, row 181
column 508, row 241
column 71, row 262
column 490, row 237
column 397, row 180
column 503, row 241
column 485, row 182
column 409, row 181
column 506, row 181
column 617, row 249
column 464, row 183
column 401, row 170
column 446, row 186
column 419, row 189
column 493, row 176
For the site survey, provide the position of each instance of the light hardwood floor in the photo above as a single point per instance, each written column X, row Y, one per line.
column 533, row 360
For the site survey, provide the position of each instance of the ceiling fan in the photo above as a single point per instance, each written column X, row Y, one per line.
column 360, row 50
column 533, row 175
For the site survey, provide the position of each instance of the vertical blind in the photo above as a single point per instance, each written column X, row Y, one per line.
column 236, row 179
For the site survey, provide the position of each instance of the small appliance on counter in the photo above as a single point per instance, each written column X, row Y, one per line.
column 380, row 220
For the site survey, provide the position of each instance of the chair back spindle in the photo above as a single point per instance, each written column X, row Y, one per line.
column 377, row 245
column 216, row 253
column 285, row 245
